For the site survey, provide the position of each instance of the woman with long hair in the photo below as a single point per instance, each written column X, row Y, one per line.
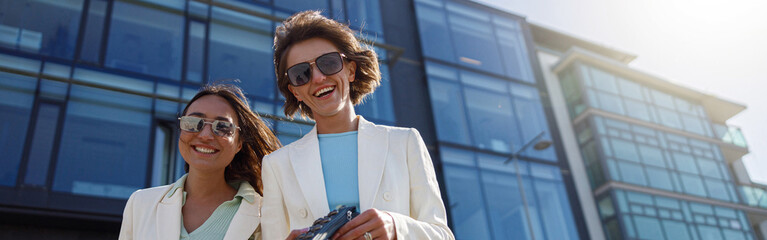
column 222, row 142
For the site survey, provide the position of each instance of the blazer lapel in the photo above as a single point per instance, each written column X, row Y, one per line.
column 307, row 166
column 169, row 213
column 373, row 145
column 245, row 221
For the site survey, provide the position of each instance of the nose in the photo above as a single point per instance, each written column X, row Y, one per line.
column 317, row 75
column 206, row 132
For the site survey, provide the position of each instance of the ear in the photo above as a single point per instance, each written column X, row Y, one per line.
column 239, row 144
column 294, row 91
column 352, row 70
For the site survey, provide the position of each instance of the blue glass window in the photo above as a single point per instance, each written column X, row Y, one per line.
column 447, row 105
column 471, row 29
column 379, row 106
column 513, row 49
column 675, row 230
column 365, row 15
column 693, row 185
column 528, row 110
column 625, row 150
column 548, row 202
column 630, row 89
column 632, row 173
column 300, row 5
column 610, row 102
column 651, row 155
column 16, row 98
column 504, row 198
column 241, row 47
column 104, row 135
column 195, row 59
column 486, row 197
column 23, row 28
column 435, row 35
column 604, row 81
column 659, row 178
column 685, row 162
column 648, row 228
column 94, row 28
column 466, row 204
column 42, row 144
column 492, row 122
column 147, row 40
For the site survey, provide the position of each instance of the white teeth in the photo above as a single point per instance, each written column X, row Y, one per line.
column 204, row 150
column 324, row 90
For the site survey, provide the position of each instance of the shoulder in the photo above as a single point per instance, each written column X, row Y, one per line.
column 398, row 132
column 149, row 195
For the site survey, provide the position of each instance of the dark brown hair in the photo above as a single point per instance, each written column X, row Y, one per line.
column 311, row 24
column 257, row 139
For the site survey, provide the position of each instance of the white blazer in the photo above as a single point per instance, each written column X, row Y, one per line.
column 154, row 214
column 395, row 174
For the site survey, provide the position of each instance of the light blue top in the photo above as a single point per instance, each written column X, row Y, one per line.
column 338, row 152
column 217, row 224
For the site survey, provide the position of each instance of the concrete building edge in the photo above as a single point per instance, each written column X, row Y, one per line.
column 572, row 150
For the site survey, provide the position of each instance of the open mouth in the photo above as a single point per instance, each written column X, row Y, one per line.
column 205, row 150
column 324, row 91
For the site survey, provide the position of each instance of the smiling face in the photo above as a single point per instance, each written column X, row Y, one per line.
column 327, row 96
column 204, row 150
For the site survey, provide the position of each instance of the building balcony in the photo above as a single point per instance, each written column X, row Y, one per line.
column 730, row 134
column 754, row 196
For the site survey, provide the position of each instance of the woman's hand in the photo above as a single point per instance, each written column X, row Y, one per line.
column 294, row 234
column 379, row 224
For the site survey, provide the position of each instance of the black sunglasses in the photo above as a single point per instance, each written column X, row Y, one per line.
column 195, row 124
column 328, row 64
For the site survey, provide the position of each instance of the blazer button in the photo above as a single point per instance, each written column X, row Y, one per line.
column 387, row 196
column 303, row 213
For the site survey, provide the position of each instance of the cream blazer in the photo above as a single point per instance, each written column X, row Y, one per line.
column 153, row 214
column 395, row 174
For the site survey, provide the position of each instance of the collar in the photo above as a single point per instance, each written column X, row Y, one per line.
column 244, row 189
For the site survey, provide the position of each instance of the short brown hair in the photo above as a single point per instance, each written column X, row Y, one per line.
column 257, row 139
column 311, row 24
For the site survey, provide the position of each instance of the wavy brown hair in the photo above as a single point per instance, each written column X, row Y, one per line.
column 311, row 24
column 257, row 139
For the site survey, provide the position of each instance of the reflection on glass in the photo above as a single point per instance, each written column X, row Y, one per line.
column 433, row 30
column 42, row 144
column 471, row 29
column 55, row 35
column 365, row 15
column 241, row 48
column 145, row 40
column 16, row 98
column 104, row 136
column 513, row 49
column 379, row 106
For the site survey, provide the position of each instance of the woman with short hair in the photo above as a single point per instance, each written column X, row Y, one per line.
column 323, row 71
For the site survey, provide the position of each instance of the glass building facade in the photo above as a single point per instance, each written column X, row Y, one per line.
column 89, row 96
column 90, row 91
column 486, row 104
column 653, row 157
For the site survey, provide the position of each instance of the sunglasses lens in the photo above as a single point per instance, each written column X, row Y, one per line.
column 191, row 124
column 300, row 74
column 223, row 129
column 330, row 63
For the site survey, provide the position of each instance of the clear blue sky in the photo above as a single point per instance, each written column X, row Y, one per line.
column 716, row 47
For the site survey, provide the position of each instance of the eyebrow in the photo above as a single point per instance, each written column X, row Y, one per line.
column 202, row 115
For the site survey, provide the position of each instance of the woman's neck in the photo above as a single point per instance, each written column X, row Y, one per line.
column 207, row 186
column 344, row 121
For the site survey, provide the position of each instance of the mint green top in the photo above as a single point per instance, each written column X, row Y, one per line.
column 217, row 224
